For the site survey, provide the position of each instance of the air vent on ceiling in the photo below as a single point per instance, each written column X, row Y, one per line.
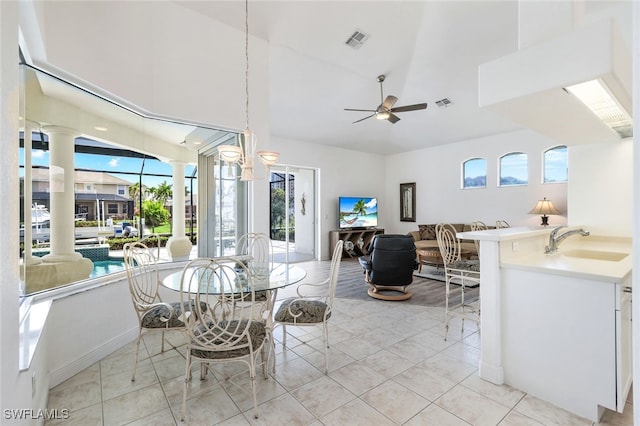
column 357, row 39
column 444, row 102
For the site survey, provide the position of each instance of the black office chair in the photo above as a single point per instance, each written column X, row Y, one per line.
column 389, row 268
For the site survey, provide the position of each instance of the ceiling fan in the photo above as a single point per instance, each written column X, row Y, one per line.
column 385, row 111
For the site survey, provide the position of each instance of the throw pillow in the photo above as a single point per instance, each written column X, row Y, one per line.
column 459, row 227
column 427, row 232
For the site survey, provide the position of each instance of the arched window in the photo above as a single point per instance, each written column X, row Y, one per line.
column 555, row 165
column 474, row 173
column 514, row 169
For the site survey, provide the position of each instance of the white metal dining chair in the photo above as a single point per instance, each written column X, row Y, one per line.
column 222, row 329
column 153, row 314
column 478, row 225
column 256, row 250
column 313, row 304
column 460, row 272
column 502, row 224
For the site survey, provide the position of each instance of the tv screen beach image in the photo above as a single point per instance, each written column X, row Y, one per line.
column 358, row 212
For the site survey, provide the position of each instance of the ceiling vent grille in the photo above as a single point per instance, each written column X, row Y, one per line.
column 357, row 39
column 444, row 102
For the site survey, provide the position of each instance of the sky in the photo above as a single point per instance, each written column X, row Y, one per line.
column 116, row 166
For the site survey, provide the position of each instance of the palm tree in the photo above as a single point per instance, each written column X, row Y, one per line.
column 135, row 192
column 360, row 207
column 162, row 192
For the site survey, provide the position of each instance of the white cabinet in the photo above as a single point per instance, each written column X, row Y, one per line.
column 567, row 340
column 623, row 342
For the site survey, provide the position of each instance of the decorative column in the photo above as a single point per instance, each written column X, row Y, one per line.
column 62, row 194
column 62, row 265
column 178, row 245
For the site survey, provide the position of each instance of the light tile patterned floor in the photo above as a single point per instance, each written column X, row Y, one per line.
column 389, row 365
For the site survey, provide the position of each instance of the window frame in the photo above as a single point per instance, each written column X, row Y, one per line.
column 463, row 173
column 500, row 166
column 544, row 164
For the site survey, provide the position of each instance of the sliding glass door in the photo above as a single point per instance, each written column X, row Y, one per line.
column 293, row 213
column 222, row 215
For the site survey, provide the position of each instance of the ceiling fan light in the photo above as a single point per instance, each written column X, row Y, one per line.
column 268, row 158
column 230, row 153
column 384, row 115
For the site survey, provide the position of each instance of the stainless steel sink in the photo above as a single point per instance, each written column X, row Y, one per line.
column 609, row 256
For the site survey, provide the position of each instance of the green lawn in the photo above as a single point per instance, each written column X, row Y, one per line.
column 166, row 229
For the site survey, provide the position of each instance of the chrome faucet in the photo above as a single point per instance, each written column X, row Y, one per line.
column 555, row 239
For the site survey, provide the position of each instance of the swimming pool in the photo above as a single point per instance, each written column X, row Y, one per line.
column 105, row 267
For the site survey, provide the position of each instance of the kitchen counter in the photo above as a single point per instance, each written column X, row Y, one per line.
column 599, row 258
column 557, row 318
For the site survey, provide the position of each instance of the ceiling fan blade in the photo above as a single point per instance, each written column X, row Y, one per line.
column 389, row 102
column 409, row 108
column 393, row 118
column 362, row 119
column 364, row 110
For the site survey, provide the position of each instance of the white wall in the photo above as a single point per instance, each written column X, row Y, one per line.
column 341, row 172
column 437, row 172
column 600, row 195
column 103, row 316
column 305, row 229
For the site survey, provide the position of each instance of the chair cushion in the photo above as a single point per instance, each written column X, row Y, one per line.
column 469, row 265
column 261, row 296
column 257, row 334
column 156, row 316
column 309, row 311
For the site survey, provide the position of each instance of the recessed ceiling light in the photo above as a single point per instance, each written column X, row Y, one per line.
column 100, row 128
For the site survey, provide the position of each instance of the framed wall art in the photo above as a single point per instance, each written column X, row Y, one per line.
column 408, row 202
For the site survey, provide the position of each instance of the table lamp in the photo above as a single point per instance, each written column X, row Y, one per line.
column 544, row 207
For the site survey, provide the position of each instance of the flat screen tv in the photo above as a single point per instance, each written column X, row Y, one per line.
column 358, row 212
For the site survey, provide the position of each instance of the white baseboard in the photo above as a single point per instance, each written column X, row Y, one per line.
column 77, row 365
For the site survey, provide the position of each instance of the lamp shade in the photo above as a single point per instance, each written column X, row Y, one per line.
column 544, row 207
column 230, row 153
column 268, row 158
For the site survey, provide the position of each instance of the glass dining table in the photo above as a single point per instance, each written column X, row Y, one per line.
column 280, row 275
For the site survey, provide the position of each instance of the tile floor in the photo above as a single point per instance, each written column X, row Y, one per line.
column 389, row 365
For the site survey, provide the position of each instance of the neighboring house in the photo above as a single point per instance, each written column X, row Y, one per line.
column 187, row 208
column 95, row 192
